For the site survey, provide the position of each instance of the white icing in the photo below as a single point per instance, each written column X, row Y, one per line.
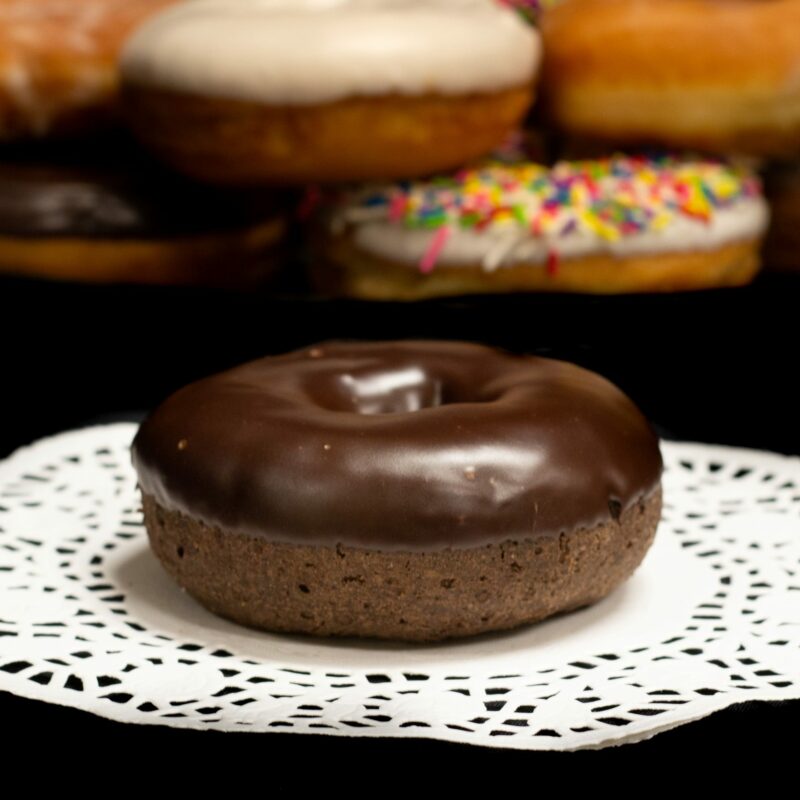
column 510, row 244
column 313, row 51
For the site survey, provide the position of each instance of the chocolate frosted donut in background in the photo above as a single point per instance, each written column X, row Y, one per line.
column 114, row 216
column 415, row 490
column 98, row 200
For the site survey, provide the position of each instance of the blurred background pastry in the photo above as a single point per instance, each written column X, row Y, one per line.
column 112, row 215
column 718, row 76
column 58, row 63
column 628, row 223
column 258, row 91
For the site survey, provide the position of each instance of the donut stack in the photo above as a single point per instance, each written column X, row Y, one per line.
column 630, row 176
column 717, row 77
column 402, row 110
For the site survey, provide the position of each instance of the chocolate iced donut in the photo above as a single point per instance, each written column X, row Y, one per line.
column 117, row 217
column 413, row 490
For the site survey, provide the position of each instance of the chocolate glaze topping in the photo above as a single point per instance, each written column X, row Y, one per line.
column 400, row 445
column 126, row 197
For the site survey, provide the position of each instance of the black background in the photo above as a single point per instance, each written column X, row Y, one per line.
column 715, row 366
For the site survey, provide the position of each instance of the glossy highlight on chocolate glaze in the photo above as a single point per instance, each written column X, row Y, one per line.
column 409, row 445
column 128, row 197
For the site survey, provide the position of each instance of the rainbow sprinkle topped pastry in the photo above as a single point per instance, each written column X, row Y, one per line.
column 628, row 223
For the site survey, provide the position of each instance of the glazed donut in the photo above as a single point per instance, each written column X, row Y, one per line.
column 619, row 224
column 407, row 490
column 113, row 217
column 58, row 62
column 307, row 91
column 720, row 76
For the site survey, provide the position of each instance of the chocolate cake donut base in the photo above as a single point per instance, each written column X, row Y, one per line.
column 413, row 596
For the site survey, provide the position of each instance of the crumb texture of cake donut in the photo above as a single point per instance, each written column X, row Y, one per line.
column 288, row 91
column 718, row 76
column 410, row 490
column 611, row 225
column 115, row 219
column 58, row 62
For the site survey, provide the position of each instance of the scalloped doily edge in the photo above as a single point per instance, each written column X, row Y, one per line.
column 27, row 453
column 30, row 693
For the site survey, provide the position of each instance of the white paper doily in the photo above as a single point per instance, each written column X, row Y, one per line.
column 89, row 619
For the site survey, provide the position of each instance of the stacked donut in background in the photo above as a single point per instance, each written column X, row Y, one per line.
column 79, row 200
column 258, row 91
column 422, row 92
column 400, row 110
column 58, row 63
column 612, row 225
column 720, row 77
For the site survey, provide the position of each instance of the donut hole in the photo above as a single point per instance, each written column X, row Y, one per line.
column 399, row 390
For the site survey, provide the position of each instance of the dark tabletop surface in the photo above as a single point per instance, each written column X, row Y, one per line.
column 712, row 366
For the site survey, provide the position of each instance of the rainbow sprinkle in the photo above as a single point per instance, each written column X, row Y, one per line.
column 611, row 198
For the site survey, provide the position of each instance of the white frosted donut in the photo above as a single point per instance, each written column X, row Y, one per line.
column 312, row 51
column 299, row 91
